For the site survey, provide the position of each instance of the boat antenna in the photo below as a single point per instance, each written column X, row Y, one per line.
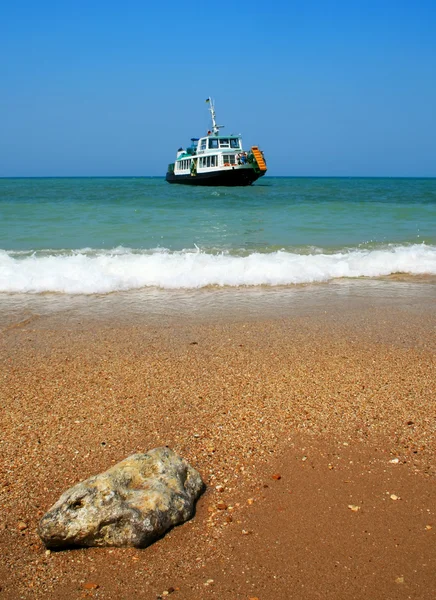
column 215, row 128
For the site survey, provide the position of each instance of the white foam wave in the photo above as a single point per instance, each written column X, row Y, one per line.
column 100, row 272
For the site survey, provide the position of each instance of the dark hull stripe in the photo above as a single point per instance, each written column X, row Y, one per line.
column 229, row 177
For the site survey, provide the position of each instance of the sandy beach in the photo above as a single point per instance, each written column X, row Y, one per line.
column 291, row 419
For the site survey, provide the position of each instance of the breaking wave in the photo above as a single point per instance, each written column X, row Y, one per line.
column 90, row 271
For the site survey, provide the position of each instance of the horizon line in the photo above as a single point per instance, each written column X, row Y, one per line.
column 265, row 176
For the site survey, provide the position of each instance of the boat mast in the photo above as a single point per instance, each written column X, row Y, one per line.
column 215, row 128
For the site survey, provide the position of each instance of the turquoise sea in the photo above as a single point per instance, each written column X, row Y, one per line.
column 87, row 236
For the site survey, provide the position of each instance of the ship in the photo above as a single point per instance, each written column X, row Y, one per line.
column 217, row 160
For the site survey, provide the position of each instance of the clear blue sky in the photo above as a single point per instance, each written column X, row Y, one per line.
column 114, row 88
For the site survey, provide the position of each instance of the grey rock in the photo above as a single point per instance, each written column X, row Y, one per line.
column 131, row 504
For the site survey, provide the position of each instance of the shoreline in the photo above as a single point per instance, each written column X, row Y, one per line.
column 326, row 393
column 213, row 303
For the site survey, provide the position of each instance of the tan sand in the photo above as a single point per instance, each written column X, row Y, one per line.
column 322, row 402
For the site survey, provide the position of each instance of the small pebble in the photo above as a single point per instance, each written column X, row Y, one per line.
column 90, row 586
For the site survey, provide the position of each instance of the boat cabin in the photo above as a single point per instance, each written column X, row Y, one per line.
column 212, row 151
column 215, row 142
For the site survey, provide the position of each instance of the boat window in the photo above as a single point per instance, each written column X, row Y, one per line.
column 209, row 161
column 234, row 143
column 229, row 159
column 224, row 143
column 213, row 143
column 184, row 164
column 203, row 144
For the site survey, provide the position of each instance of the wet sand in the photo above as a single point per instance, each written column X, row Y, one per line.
column 291, row 419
